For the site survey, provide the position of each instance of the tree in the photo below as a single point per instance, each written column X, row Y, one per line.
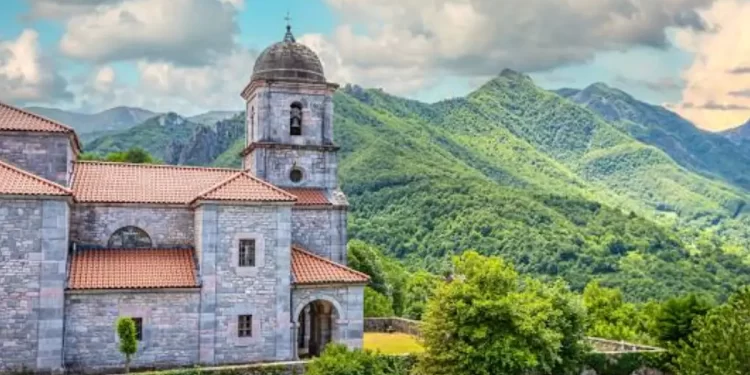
column 490, row 320
column 364, row 258
column 128, row 342
column 610, row 317
column 675, row 319
column 377, row 305
column 418, row 290
column 720, row 343
column 134, row 155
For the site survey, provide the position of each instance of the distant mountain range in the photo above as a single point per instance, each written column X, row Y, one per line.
column 579, row 184
column 114, row 119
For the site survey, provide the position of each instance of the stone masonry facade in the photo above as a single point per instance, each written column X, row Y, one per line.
column 170, row 326
column 45, row 155
column 321, row 231
column 33, row 257
column 167, row 226
column 227, row 312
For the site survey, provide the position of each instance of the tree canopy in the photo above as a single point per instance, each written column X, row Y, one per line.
column 490, row 320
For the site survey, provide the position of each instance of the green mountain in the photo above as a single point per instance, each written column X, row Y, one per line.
column 714, row 155
column 515, row 170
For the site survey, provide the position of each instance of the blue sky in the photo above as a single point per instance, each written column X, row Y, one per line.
column 195, row 55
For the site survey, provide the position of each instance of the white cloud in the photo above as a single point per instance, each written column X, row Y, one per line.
column 63, row 9
column 25, row 75
column 717, row 74
column 407, row 43
column 188, row 32
column 166, row 87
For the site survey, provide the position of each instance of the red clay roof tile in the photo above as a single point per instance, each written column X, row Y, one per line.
column 132, row 269
column 244, row 187
column 15, row 181
column 308, row 268
column 309, row 196
column 17, row 119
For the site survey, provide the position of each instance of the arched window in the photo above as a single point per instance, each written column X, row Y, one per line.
column 129, row 238
column 295, row 119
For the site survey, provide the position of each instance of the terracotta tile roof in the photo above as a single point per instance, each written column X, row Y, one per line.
column 309, row 196
column 100, row 182
column 132, row 269
column 246, row 188
column 15, row 181
column 308, row 268
column 17, row 119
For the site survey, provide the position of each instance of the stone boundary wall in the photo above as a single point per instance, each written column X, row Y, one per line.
column 388, row 325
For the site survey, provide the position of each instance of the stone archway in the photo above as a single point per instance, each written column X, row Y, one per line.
column 317, row 326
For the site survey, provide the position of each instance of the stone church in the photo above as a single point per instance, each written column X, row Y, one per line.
column 216, row 266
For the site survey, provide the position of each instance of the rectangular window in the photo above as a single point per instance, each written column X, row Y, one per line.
column 247, row 253
column 138, row 328
column 245, row 326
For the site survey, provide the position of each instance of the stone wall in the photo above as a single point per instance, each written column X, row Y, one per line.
column 262, row 291
column 319, row 168
column 46, row 155
column 167, row 226
column 170, row 329
column 272, row 105
column 33, row 257
column 321, row 231
column 410, row 327
column 349, row 304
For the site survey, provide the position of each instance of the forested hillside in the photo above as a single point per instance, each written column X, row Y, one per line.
column 518, row 171
column 715, row 155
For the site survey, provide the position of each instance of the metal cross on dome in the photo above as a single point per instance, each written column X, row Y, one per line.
column 289, row 37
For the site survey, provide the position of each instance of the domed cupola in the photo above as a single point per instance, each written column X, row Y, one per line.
column 288, row 60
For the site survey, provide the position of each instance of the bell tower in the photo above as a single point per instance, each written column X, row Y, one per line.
column 289, row 106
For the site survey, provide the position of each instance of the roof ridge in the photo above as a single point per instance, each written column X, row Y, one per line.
column 165, row 166
column 37, row 178
column 274, row 187
column 300, row 249
column 40, row 117
column 235, row 176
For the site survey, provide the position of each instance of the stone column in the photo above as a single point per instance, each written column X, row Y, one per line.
column 208, row 243
column 54, row 234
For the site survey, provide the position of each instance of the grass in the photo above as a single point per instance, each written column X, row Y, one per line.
column 392, row 343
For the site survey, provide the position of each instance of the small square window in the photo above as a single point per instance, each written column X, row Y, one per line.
column 247, row 253
column 245, row 326
column 138, row 328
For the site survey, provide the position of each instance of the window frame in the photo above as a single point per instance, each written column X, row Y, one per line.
column 245, row 326
column 138, row 321
column 244, row 259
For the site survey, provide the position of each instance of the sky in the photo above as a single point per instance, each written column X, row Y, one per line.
column 192, row 56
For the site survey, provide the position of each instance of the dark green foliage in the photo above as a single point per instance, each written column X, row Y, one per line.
column 610, row 317
column 720, row 343
column 133, row 155
column 419, row 288
column 364, row 258
column 338, row 360
column 377, row 305
column 127, row 335
column 626, row 363
column 675, row 320
column 489, row 320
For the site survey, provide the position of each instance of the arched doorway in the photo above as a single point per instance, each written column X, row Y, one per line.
column 316, row 328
